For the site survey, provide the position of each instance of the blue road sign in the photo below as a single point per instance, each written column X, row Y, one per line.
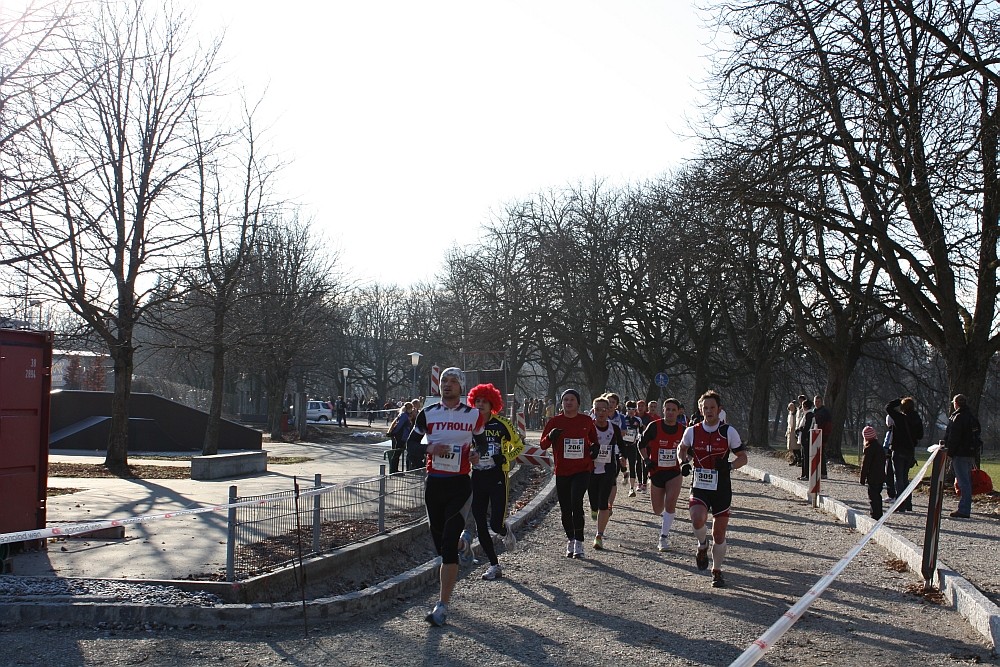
column 661, row 379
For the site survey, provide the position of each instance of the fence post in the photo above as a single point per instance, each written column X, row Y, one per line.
column 317, row 482
column 381, row 499
column 231, row 537
column 932, row 532
column 815, row 455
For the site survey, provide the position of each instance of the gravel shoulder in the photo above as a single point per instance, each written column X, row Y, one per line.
column 627, row 604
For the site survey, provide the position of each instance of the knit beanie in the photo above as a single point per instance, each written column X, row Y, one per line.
column 868, row 433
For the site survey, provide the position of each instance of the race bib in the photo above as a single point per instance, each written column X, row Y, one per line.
column 706, row 479
column 630, row 435
column 450, row 462
column 492, row 449
column 572, row 448
column 604, row 454
column 666, row 458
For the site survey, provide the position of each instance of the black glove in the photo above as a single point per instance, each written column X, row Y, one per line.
column 595, row 449
column 685, row 470
column 723, row 464
column 554, row 435
column 499, row 459
column 650, row 464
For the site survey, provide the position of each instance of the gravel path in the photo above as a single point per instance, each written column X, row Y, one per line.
column 626, row 605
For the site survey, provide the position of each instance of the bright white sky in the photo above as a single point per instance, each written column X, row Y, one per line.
column 405, row 123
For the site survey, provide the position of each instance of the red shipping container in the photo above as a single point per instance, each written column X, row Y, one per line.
column 25, row 382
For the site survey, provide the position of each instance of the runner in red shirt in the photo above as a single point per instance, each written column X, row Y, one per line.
column 658, row 447
column 708, row 444
column 573, row 439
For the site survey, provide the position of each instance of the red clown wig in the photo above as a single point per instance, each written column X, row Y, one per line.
column 487, row 392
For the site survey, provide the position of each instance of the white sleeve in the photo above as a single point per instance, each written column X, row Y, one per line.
column 733, row 436
column 688, row 438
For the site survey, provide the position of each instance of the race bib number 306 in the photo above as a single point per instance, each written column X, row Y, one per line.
column 573, row 448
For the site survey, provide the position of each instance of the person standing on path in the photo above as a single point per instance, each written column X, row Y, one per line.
column 962, row 439
column 806, row 416
column 907, row 430
column 791, row 435
column 708, row 444
column 873, row 470
column 659, row 449
column 451, row 428
column 341, row 406
column 399, row 433
column 490, row 484
column 823, row 420
column 573, row 439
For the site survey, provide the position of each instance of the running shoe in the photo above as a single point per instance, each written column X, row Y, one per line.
column 465, row 555
column 593, row 515
column 701, row 558
column 631, row 493
column 642, row 488
column 438, row 615
column 493, row 572
column 577, row 548
column 663, row 544
column 599, row 542
column 717, row 580
column 570, row 548
column 509, row 541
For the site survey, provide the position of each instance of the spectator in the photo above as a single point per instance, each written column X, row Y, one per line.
column 792, row 436
column 341, row 411
column 873, row 470
column 907, row 430
column 823, row 421
column 805, row 425
column 963, row 441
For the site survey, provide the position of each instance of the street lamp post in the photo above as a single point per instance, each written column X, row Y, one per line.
column 345, row 372
column 415, row 360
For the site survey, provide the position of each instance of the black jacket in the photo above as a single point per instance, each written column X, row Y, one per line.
column 907, row 429
column 961, row 438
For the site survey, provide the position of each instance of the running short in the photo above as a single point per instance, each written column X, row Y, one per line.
column 661, row 477
column 718, row 502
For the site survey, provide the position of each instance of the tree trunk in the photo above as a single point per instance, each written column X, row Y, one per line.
column 760, row 403
column 211, row 444
column 117, row 454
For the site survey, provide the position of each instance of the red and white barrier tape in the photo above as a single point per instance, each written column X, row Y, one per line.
column 756, row 650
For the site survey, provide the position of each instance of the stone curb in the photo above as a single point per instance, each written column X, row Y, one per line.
column 981, row 613
column 255, row 614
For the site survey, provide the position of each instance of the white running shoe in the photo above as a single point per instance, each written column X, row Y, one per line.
column 438, row 615
column 663, row 544
column 631, row 493
column 509, row 541
column 493, row 572
column 577, row 548
column 570, row 548
column 465, row 555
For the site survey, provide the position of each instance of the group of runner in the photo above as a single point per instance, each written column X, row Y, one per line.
column 469, row 448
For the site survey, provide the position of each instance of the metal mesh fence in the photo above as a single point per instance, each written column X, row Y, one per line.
column 267, row 535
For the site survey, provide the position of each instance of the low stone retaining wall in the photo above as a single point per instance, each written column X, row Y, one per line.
column 235, row 464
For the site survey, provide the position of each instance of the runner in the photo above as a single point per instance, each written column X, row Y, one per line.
column 605, row 475
column 708, row 444
column 630, row 448
column 573, row 439
column 659, row 449
column 450, row 427
column 642, row 412
column 618, row 419
column 490, row 483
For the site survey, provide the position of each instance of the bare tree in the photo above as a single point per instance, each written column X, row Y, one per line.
column 120, row 152
column 903, row 103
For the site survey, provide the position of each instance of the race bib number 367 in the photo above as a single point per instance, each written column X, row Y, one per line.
column 450, row 462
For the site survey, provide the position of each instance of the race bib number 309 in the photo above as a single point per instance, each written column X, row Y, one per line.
column 706, row 479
